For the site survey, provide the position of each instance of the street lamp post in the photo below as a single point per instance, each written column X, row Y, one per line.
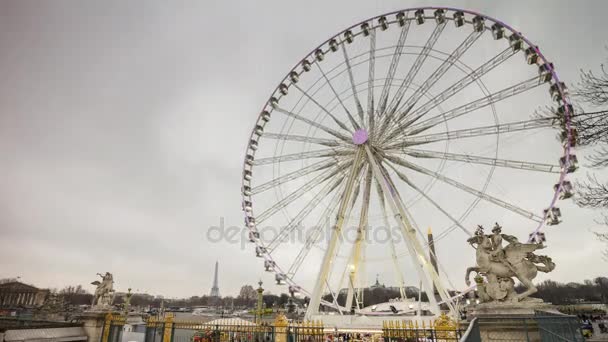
column 260, row 308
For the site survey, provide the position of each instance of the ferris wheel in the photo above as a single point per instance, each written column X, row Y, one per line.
column 420, row 117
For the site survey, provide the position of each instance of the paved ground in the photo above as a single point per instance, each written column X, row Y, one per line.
column 597, row 337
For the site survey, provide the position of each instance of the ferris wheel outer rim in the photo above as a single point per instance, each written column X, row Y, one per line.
column 563, row 96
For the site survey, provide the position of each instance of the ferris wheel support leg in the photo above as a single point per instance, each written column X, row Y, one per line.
column 355, row 271
column 426, row 272
column 315, row 299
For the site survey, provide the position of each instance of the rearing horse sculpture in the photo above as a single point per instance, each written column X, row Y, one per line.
column 518, row 260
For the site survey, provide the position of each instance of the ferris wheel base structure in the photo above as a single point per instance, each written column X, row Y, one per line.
column 372, row 317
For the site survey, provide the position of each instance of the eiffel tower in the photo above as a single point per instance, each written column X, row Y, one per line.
column 215, row 290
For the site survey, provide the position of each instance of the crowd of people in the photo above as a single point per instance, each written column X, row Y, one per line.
column 587, row 324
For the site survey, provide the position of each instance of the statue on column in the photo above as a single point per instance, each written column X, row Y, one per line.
column 501, row 264
column 104, row 293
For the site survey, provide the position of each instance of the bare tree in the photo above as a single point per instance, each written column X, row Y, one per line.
column 592, row 130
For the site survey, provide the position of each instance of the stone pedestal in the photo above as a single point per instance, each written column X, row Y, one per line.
column 93, row 322
column 508, row 322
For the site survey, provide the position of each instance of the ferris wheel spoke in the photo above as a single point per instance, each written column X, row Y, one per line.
column 468, row 158
column 475, row 105
column 312, row 99
column 335, row 235
column 370, row 79
column 314, row 236
column 359, row 244
column 303, row 155
column 393, row 67
column 315, row 124
column 306, row 210
column 352, row 120
column 407, row 181
column 395, row 258
column 304, row 139
column 287, row 200
column 318, row 166
column 473, row 132
column 420, row 59
column 353, row 86
column 523, row 212
column 455, row 88
column 426, row 273
column 407, row 106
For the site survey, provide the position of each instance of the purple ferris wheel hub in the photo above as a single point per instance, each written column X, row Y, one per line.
column 360, row 137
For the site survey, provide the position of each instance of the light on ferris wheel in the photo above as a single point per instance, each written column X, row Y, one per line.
column 479, row 24
column 246, row 190
column 439, row 16
column 458, row 18
column 419, row 14
column 253, row 236
column 531, row 55
column 498, row 31
column 294, row 289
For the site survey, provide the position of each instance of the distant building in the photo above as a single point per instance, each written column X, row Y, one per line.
column 17, row 294
column 377, row 284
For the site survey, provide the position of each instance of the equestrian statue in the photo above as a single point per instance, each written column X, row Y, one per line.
column 104, row 293
column 501, row 264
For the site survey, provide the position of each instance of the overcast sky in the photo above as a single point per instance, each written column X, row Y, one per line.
column 123, row 126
